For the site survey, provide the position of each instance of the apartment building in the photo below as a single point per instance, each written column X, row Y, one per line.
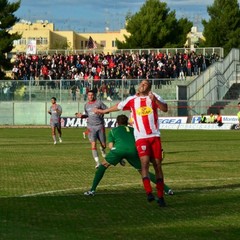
column 46, row 38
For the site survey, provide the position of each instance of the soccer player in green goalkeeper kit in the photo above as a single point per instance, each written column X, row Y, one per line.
column 122, row 146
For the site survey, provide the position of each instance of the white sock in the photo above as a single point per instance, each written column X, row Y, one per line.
column 96, row 160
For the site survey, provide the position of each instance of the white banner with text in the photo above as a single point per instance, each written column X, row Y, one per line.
column 165, row 123
column 225, row 119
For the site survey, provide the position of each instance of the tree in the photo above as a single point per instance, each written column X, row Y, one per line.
column 154, row 26
column 7, row 20
column 223, row 27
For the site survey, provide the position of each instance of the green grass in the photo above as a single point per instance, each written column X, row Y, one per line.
column 42, row 185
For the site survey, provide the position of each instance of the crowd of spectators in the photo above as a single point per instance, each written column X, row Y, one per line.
column 110, row 66
column 107, row 72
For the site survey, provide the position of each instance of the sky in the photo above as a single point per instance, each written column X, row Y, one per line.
column 102, row 15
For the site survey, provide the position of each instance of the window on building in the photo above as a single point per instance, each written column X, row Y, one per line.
column 103, row 43
column 21, row 41
column 30, row 39
column 81, row 44
column 41, row 41
column 113, row 43
column 44, row 41
column 86, row 42
column 16, row 42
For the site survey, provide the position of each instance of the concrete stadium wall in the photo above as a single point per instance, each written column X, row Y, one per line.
column 35, row 113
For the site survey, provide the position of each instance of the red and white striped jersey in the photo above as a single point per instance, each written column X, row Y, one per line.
column 144, row 113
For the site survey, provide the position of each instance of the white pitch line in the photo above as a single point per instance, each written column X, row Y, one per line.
column 123, row 184
column 72, row 189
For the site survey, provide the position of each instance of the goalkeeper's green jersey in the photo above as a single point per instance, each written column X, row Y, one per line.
column 122, row 138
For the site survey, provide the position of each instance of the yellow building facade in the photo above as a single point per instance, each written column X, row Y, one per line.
column 49, row 39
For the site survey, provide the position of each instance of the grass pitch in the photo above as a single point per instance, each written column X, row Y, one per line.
column 42, row 185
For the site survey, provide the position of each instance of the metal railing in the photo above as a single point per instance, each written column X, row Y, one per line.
column 66, row 90
column 204, row 51
column 213, row 84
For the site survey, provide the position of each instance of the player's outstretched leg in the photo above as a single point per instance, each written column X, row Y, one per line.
column 97, row 178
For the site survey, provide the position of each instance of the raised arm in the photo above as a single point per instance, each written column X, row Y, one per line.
column 80, row 115
column 161, row 104
column 107, row 110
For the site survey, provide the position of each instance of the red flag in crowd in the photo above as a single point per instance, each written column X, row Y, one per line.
column 91, row 44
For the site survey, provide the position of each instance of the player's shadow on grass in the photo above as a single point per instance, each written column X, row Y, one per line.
column 196, row 161
column 183, row 151
column 209, row 188
column 197, row 140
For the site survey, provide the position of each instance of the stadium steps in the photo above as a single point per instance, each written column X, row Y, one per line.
column 227, row 106
column 217, row 107
column 233, row 92
column 231, row 108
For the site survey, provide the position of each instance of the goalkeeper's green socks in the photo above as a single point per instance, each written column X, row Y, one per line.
column 98, row 176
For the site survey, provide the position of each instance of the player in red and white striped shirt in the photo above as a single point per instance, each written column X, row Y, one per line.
column 144, row 110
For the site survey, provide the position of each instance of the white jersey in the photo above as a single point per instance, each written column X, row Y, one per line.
column 144, row 114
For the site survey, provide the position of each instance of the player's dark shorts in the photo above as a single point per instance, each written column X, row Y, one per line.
column 115, row 156
column 97, row 133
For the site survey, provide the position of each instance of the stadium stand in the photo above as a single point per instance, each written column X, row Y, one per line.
column 110, row 75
